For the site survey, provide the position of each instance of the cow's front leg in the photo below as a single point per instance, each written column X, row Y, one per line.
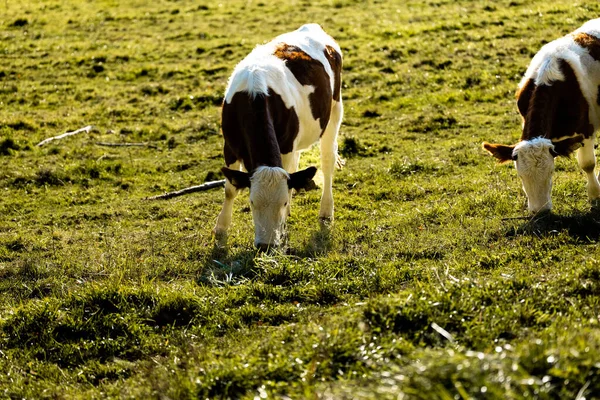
column 290, row 164
column 329, row 158
column 587, row 162
column 224, row 218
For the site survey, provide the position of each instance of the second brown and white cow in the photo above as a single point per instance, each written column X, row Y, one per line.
column 281, row 99
column 559, row 100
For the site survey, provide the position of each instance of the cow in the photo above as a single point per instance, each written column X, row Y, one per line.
column 282, row 98
column 559, row 100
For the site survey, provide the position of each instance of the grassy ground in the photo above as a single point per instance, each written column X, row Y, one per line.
column 426, row 287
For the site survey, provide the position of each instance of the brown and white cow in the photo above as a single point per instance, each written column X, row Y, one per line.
column 559, row 100
column 281, row 99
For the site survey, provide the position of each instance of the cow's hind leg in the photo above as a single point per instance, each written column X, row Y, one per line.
column 329, row 158
column 290, row 164
column 224, row 219
column 587, row 162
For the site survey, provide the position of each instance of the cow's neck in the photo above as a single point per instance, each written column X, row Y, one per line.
column 559, row 110
column 261, row 140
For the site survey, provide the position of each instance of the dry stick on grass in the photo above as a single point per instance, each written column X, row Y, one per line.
column 86, row 129
column 191, row 189
column 152, row 146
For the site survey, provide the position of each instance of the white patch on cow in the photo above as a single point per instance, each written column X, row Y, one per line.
column 535, row 165
column 592, row 27
column 545, row 65
column 269, row 197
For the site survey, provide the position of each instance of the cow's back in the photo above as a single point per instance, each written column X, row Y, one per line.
column 580, row 51
column 298, row 75
column 265, row 67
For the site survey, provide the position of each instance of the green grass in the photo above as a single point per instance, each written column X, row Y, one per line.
column 428, row 285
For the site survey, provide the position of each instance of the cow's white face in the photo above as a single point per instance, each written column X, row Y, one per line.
column 534, row 161
column 269, row 198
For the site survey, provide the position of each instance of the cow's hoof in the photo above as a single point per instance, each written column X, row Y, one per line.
column 542, row 214
column 326, row 222
column 221, row 239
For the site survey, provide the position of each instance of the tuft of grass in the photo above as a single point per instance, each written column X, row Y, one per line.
column 400, row 169
column 19, row 22
column 7, row 146
column 354, row 147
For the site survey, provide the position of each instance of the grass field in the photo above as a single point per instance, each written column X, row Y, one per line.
column 428, row 285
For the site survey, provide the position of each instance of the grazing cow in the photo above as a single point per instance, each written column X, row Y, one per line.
column 281, row 99
column 559, row 100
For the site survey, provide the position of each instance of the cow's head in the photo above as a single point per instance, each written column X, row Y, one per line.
column 269, row 198
column 534, row 160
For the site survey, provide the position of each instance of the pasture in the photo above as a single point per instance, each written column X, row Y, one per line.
column 429, row 284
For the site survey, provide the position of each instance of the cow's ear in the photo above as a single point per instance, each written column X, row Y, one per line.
column 501, row 152
column 238, row 179
column 566, row 146
column 301, row 179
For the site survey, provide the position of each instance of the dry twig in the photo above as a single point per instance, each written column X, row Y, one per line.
column 86, row 129
column 191, row 189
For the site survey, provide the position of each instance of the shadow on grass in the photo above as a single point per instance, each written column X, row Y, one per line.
column 584, row 226
column 227, row 266
column 319, row 243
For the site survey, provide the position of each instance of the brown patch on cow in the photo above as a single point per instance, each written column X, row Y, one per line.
column 590, row 43
column 309, row 71
column 524, row 97
column 598, row 99
column 558, row 110
column 285, row 121
column 335, row 61
column 291, row 53
column 258, row 129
